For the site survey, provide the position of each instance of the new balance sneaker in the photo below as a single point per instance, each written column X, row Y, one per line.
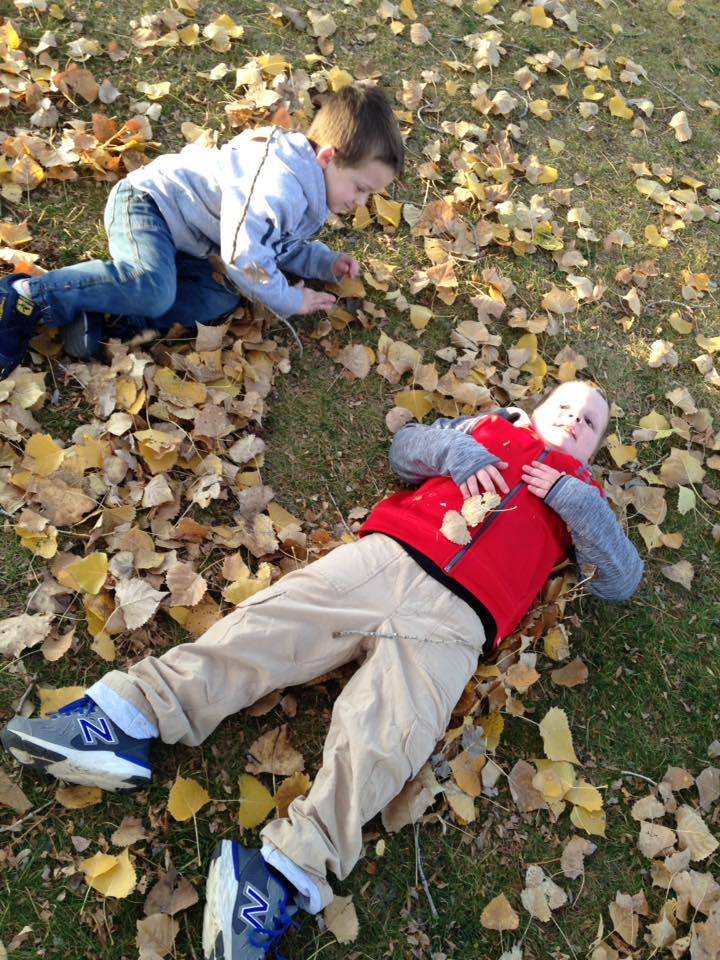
column 18, row 317
column 81, row 338
column 247, row 905
column 80, row 744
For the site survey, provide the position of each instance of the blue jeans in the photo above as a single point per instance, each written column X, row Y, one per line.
column 148, row 281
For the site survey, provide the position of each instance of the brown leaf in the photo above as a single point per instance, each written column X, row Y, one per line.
column 171, row 894
column 678, row 778
column 295, row 786
column 499, row 915
column 156, row 936
column 571, row 674
column 708, row 787
column 20, row 633
column 187, row 587
column 681, row 572
column 408, row 806
column 11, row 795
column 130, row 831
column 341, row 919
column 572, row 861
column 273, row 753
column 524, row 794
column 654, row 839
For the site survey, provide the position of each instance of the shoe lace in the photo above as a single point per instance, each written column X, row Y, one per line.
column 268, row 938
column 83, row 705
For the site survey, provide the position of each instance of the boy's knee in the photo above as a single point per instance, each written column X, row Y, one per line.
column 154, row 289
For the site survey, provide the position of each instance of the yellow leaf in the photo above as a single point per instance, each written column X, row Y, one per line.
column 42, row 543
column 240, row 590
column 51, row 699
column 256, row 802
column 186, row 798
column 420, row 316
column 416, row 401
column 74, row 797
column 557, row 739
column 679, row 123
column 408, row 10
column 88, row 574
column 9, row 36
column 591, row 821
column 111, row 876
column 493, row 725
column 541, row 109
column 362, row 218
column 466, row 771
column 654, row 421
column 621, row 453
column 686, row 500
column 555, row 643
column 676, row 8
column 291, row 788
column 538, row 18
column 158, row 450
column 710, row 344
column 388, row 211
column 590, row 93
column 184, row 393
column 337, row 79
column 42, row 455
column 462, row 805
column 654, row 237
column 585, row 795
column 619, row 108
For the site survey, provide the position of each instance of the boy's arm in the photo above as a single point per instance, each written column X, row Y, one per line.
column 250, row 234
column 446, row 448
column 598, row 539
column 311, row 259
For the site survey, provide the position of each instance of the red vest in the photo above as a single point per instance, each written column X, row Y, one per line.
column 514, row 549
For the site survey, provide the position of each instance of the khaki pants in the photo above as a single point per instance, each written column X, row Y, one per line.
column 385, row 722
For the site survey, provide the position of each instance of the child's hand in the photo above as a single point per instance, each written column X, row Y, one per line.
column 346, row 266
column 488, row 479
column 540, row 478
column 314, row 300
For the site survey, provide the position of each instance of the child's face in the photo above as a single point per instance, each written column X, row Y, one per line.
column 572, row 419
column 350, row 187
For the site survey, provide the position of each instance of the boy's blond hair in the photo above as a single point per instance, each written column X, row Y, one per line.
column 359, row 122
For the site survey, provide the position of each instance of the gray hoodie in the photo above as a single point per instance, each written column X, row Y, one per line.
column 256, row 201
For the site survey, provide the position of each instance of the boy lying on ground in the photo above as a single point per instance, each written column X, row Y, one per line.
column 420, row 607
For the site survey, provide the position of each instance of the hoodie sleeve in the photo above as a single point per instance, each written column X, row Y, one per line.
column 598, row 539
column 446, row 448
column 253, row 232
column 312, row 259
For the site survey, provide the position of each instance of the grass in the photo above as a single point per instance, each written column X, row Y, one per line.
column 651, row 699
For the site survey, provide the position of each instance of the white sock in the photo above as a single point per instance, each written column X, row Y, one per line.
column 22, row 288
column 309, row 897
column 123, row 713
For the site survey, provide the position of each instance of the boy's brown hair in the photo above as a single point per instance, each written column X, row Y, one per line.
column 359, row 122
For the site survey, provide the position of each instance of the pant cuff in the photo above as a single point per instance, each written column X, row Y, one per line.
column 272, row 838
column 121, row 687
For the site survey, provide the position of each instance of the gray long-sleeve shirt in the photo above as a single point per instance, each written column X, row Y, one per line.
column 447, row 448
column 256, row 201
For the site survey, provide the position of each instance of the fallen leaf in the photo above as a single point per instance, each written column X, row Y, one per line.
column 155, row 936
column 273, row 753
column 557, row 739
column 20, row 633
column 341, row 919
column 77, row 797
column 572, row 861
column 694, row 835
column 499, row 915
column 11, row 795
column 186, row 798
column 256, row 802
column 295, row 786
column 570, row 675
column 111, row 876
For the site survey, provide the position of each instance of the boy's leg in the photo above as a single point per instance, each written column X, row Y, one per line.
column 140, row 280
column 384, row 726
column 199, row 298
column 309, row 622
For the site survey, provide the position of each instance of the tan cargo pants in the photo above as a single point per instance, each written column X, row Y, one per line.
column 421, row 645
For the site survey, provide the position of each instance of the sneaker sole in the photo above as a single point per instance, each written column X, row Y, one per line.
column 109, row 772
column 220, row 893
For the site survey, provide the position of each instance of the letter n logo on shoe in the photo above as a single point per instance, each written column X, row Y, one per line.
column 251, row 911
column 96, row 731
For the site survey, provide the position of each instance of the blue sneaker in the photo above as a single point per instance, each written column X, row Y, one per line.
column 81, row 338
column 80, row 744
column 18, row 317
column 247, row 909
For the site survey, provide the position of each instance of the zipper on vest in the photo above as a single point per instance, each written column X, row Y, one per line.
column 491, row 519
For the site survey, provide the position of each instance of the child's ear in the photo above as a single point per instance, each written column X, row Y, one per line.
column 325, row 156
